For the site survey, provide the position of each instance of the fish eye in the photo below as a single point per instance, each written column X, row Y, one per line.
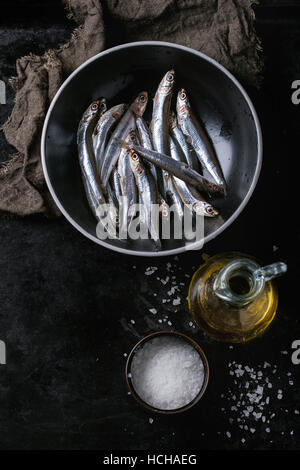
column 170, row 77
column 142, row 98
column 210, row 210
column 102, row 105
column 183, row 95
column 94, row 106
column 135, row 156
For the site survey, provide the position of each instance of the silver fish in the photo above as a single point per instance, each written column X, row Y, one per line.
column 192, row 199
column 86, row 151
column 175, row 199
column 190, row 156
column 163, row 207
column 198, row 138
column 128, row 186
column 145, row 141
column 115, row 185
column 147, row 192
column 100, row 214
column 159, row 126
column 177, row 168
column 125, row 125
column 102, row 130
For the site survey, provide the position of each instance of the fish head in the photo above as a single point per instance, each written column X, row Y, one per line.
column 204, row 208
column 102, row 105
column 183, row 104
column 140, row 103
column 135, row 162
column 166, row 85
column 91, row 112
column 118, row 110
column 131, row 138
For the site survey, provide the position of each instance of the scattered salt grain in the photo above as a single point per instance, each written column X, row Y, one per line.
column 150, row 420
column 167, row 372
column 153, row 310
column 150, row 270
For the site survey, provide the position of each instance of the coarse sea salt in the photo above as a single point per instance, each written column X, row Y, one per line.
column 167, row 372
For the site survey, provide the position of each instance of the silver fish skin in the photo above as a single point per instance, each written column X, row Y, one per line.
column 128, row 186
column 159, row 127
column 144, row 140
column 193, row 200
column 148, row 193
column 177, row 168
column 125, row 125
column 189, row 155
column 113, row 189
column 86, row 151
column 175, row 199
column 198, row 139
column 95, row 207
column 102, row 130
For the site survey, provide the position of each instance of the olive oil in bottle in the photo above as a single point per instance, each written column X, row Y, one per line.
column 232, row 298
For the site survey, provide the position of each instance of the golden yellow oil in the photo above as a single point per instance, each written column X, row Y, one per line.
column 220, row 319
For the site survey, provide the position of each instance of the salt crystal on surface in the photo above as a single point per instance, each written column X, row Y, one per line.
column 150, row 270
column 152, row 310
column 167, row 372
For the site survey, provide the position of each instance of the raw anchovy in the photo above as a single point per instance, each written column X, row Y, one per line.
column 198, row 139
column 163, row 207
column 175, row 199
column 148, row 193
column 102, row 130
column 145, row 141
column 159, row 126
column 115, row 185
column 96, row 209
column 113, row 210
column 192, row 199
column 126, row 124
column 86, row 151
column 179, row 169
column 189, row 154
column 128, row 186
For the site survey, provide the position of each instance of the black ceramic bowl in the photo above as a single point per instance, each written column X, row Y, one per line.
column 119, row 74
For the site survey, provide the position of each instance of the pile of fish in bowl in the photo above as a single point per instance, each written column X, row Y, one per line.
column 130, row 168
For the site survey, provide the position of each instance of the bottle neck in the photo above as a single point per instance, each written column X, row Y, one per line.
column 237, row 283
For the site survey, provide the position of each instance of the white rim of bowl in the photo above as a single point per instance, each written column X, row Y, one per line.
column 208, row 237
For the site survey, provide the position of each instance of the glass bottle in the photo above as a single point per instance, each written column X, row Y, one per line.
column 232, row 298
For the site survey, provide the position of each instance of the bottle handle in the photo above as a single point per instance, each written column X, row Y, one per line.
column 271, row 271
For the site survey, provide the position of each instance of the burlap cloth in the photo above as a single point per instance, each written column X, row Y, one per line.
column 222, row 29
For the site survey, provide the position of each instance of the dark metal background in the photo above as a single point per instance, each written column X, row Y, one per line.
column 66, row 305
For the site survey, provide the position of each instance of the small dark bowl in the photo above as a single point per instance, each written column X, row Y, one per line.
column 119, row 74
column 192, row 343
